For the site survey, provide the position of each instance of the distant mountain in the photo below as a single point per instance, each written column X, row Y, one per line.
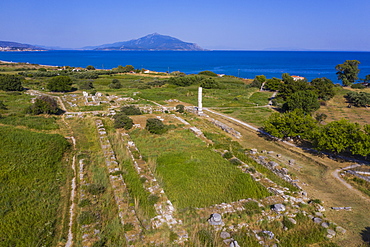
column 151, row 42
column 14, row 46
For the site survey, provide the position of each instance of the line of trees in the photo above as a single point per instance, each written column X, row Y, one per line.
column 337, row 136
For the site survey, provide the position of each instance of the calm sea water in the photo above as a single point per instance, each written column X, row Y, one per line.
column 246, row 64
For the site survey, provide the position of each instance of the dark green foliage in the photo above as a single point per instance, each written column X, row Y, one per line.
column 90, row 67
column 304, row 100
column 348, row 72
column 359, row 98
column 290, row 124
column 130, row 110
column 324, row 88
column 86, row 85
column 43, row 105
column 209, row 83
column 95, row 189
column 116, row 84
column 185, row 81
column 273, row 84
column 179, row 108
column 10, row 83
column 60, row 84
column 156, row 83
column 155, row 126
column 235, row 162
column 86, row 218
column 252, row 208
column 85, row 75
column 291, row 86
column 121, row 69
column 255, row 83
column 122, row 121
column 260, row 78
column 31, row 175
column 207, row 73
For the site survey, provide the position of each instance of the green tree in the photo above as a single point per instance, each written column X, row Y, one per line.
column 130, row 110
column 116, row 84
column 60, row 84
column 305, row 100
column 359, row 98
column 122, row 121
column 291, row 86
column 348, row 71
column 43, row 105
column 90, row 67
column 209, row 83
column 336, row 136
column 10, row 83
column 273, row 84
column 294, row 124
column 324, row 88
column 361, row 145
column 155, row 126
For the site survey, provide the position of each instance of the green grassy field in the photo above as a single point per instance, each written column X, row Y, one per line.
column 31, row 175
column 192, row 174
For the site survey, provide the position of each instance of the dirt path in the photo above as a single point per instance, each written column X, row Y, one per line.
column 321, row 178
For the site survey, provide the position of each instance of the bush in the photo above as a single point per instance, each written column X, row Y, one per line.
column 155, row 126
column 207, row 73
column 10, row 83
column 60, row 84
column 209, row 84
column 235, row 162
column 116, row 84
column 43, row 105
column 130, row 110
column 227, row 155
column 179, row 108
column 122, row 121
column 86, row 85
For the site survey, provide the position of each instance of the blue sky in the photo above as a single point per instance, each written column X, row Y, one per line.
column 232, row 25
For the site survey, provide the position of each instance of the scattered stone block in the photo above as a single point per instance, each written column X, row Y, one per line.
column 325, row 224
column 234, row 243
column 331, row 233
column 225, row 235
column 292, row 220
column 215, row 219
column 270, row 235
column 317, row 220
column 279, row 207
column 340, row 230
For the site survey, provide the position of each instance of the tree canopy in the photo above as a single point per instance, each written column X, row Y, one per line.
column 348, row 71
column 305, row 100
column 155, row 126
column 43, row 105
column 10, row 83
column 60, row 84
column 130, row 110
column 122, row 121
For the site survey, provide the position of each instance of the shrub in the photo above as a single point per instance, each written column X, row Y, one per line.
column 208, row 73
column 116, row 84
column 122, row 121
column 179, row 108
column 130, row 110
column 10, row 83
column 153, row 199
column 209, row 84
column 60, row 84
column 235, row 162
column 155, row 126
column 43, row 105
column 86, row 85
column 358, row 86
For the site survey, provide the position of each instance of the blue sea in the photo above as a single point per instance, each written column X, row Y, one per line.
column 245, row 64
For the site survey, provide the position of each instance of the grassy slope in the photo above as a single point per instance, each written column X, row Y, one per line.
column 31, row 177
column 192, row 174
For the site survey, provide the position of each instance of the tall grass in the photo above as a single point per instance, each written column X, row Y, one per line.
column 32, row 122
column 191, row 173
column 31, row 175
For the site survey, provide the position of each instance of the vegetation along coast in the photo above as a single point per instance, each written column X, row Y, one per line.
column 132, row 157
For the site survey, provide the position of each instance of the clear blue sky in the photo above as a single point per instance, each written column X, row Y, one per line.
column 233, row 25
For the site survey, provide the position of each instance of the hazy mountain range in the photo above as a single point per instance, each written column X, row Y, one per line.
column 151, row 42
